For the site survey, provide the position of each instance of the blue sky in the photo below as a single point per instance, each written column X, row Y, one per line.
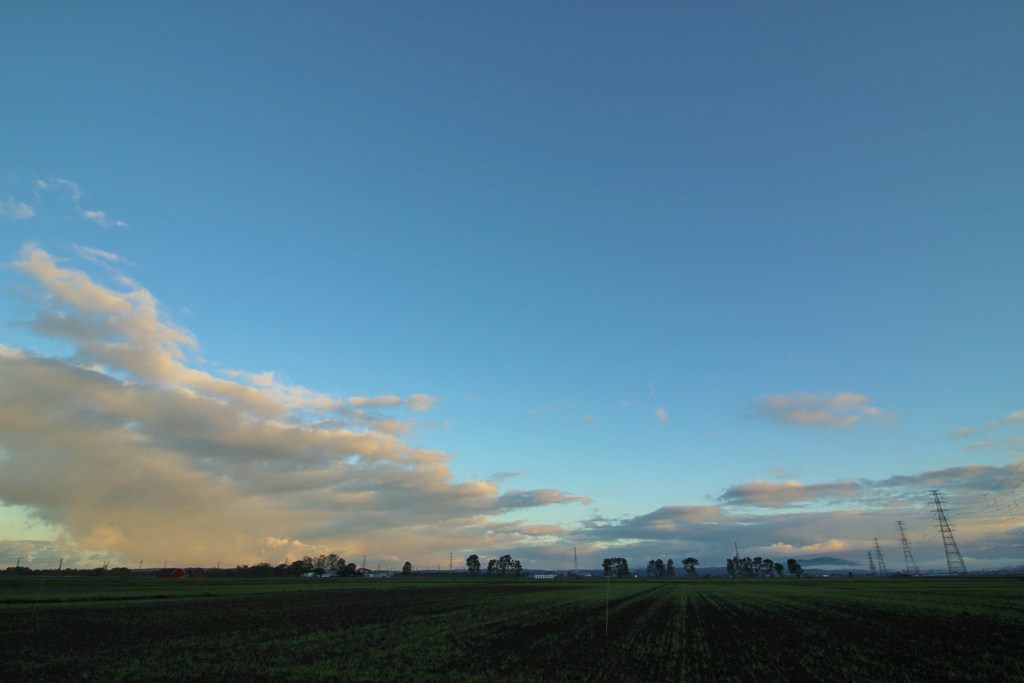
column 644, row 280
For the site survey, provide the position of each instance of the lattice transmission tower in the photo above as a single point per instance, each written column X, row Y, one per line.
column 881, row 562
column 871, row 564
column 954, row 560
column 907, row 555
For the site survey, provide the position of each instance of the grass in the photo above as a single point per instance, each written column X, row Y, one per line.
column 521, row 630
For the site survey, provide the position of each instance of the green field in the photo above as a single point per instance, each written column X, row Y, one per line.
column 514, row 630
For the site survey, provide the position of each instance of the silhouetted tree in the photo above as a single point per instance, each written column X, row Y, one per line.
column 794, row 568
column 670, row 567
column 690, row 566
column 505, row 566
column 299, row 567
column 473, row 564
column 615, row 567
column 407, row 568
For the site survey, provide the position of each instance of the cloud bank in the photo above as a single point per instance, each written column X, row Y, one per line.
column 136, row 451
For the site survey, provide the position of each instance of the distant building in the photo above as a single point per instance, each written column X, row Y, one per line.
column 545, row 576
column 175, row 573
column 371, row 574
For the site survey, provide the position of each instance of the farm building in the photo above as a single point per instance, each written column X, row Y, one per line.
column 171, row 573
column 371, row 574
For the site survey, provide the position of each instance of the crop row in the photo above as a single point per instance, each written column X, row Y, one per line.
column 524, row 631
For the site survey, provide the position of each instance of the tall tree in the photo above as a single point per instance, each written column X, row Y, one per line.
column 690, row 566
column 473, row 564
column 615, row 567
column 407, row 568
column 505, row 566
column 670, row 567
column 794, row 567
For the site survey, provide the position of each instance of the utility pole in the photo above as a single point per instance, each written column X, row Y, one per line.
column 881, row 563
column 575, row 564
column 954, row 560
column 907, row 555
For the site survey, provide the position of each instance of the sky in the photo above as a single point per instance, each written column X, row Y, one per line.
column 413, row 281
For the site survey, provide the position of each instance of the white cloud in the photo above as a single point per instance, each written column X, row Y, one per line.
column 136, row 452
column 99, row 255
column 661, row 414
column 420, row 402
column 841, row 410
column 101, row 219
column 15, row 210
column 416, row 402
column 1016, row 416
column 73, row 195
column 388, row 401
column 68, row 186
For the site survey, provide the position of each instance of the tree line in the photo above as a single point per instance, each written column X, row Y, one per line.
column 759, row 567
column 659, row 568
column 501, row 566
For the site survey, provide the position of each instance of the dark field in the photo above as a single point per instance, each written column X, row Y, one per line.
column 523, row 630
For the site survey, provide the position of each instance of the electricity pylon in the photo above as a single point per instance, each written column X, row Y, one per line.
column 881, row 563
column 954, row 560
column 907, row 555
column 871, row 564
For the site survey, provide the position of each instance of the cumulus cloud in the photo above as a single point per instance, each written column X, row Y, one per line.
column 842, row 410
column 135, row 451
